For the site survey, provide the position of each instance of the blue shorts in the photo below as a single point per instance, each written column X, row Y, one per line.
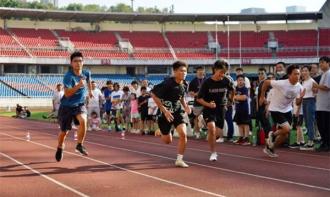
column 68, row 114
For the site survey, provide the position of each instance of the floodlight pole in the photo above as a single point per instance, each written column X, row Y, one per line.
column 132, row 5
column 216, row 40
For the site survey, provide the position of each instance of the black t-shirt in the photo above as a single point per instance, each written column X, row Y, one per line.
column 194, row 86
column 317, row 79
column 259, row 91
column 170, row 93
column 144, row 106
column 216, row 90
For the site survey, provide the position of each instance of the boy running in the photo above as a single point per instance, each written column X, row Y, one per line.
column 212, row 96
column 73, row 104
column 285, row 91
column 169, row 97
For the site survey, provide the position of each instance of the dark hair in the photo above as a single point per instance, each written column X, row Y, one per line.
column 280, row 63
column 92, row 81
column 93, row 113
column 262, row 69
column 134, row 82
column 220, row 65
column 109, row 82
column 76, row 54
column 116, row 84
column 325, row 59
column 199, row 68
column 240, row 76
column 126, row 89
column 308, row 67
column 134, row 95
column 143, row 88
column 239, row 69
column 290, row 69
column 58, row 85
column 179, row 64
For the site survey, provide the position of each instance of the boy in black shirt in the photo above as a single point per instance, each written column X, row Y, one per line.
column 212, row 96
column 169, row 97
column 143, row 109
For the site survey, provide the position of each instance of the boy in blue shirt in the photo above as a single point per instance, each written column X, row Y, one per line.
column 72, row 106
column 242, row 117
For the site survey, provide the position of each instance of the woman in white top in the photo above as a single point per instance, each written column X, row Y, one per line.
column 309, row 105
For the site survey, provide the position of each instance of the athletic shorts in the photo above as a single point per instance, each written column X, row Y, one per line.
column 242, row 117
column 117, row 113
column 165, row 126
column 145, row 116
column 216, row 115
column 281, row 119
column 68, row 114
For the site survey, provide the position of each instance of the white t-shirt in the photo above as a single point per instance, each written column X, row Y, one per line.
column 116, row 96
column 95, row 101
column 284, row 94
column 308, row 85
column 57, row 99
column 137, row 92
column 323, row 97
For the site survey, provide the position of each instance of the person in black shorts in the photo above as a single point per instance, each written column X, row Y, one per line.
column 212, row 96
column 280, row 107
column 169, row 97
column 72, row 107
column 143, row 109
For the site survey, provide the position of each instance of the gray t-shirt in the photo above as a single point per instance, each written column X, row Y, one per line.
column 323, row 97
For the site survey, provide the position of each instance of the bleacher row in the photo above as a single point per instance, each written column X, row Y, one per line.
column 186, row 45
column 43, row 86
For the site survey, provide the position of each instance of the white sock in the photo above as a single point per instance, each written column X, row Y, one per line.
column 179, row 157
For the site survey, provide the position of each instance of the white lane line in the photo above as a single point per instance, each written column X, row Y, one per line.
column 227, row 154
column 194, row 163
column 45, row 176
column 124, row 169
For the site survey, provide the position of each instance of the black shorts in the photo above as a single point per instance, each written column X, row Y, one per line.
column 145, row 116
column 68, row 114
column 297, row 121
column 165, row 126
column 242, row 117
column 280, row 118
column 216, row 115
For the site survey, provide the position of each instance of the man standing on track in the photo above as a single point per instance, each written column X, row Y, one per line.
column 169, row 97
column 212, row 96
column 73, row 104
column 285, row 91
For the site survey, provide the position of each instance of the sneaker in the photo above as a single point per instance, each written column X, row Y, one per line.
column 197, row 135
column 270, row 152
column 239, row 140
column 214, row 156
column 220, row 140
column 59, row 154
column 295, row 145
column 271, row 139
column 246, row 142
column 308, row 146
column 180, row 163
column 81, row 149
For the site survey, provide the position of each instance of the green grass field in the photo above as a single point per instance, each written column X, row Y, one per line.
column 35, row 115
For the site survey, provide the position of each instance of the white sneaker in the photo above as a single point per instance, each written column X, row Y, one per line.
column 220, row 140
column 271, row 139
column 214, row 156
column 197, row 135
column 180, row 163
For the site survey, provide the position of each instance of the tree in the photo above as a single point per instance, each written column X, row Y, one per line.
column 94, row 8
column 9, row 3
column 121, row 7
column 75, row 7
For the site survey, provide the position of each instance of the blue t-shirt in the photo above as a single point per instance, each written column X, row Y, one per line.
column 108, row 103
column 70, row 80
column 242, row 106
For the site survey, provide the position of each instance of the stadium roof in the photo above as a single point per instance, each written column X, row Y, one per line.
column 36, row 14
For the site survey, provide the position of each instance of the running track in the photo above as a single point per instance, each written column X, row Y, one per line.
column 143, row 166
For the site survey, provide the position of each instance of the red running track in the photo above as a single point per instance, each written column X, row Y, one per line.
column 144, row 166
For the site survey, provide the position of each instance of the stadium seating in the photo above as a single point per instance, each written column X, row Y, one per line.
column 145, row 39
column 187, row 39
column 5, row 91
column 6, row 40
column 35, row 37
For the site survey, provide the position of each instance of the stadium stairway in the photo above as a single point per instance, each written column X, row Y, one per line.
column 17, row 41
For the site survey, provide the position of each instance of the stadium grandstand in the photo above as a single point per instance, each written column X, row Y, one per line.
column 35, row 45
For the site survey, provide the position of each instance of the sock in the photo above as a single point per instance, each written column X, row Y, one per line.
column 179, row 157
